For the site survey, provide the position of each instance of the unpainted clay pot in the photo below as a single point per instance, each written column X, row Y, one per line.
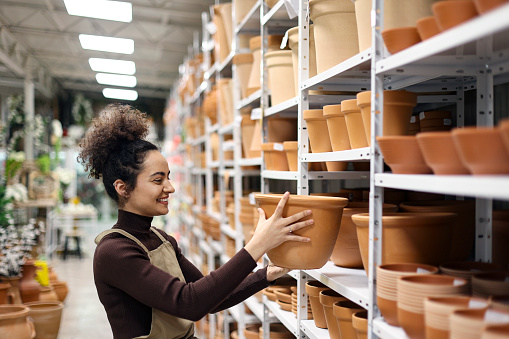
column 481, row 150
column 29, row 288
column 483, row 6
column 464, row 225
column 467, row 269
column 354, row 123
column 313, row 289
column 439, row 152
column 496, row 284
column 500, row 238
column 223, row 36
column 469, row 323
column 451, row 13
column 336, row 125
column 248, row 127
column 343, row 311
column 427, row 27
column 4, row 289
column 274, row 157
column 46, row 316
column 13, row 294
column 346, row 251
column 360, row 323
column 400, row 38
column 61, row 289
column 495, row 332
column 281, row 129
column 504, row 130
column 255, row 43
column 326, row 214
column 251, row 331
column 242, row 7
column 328, row 298
column 280, row 73
column 291, row 149
column 335, row 32
column 293, row 42
column 48, row 294
column 403, row 155
column 277, row 331
column 243, row 63
column 409, row 237
column 15, row 323
column 397, row 108
column 415, row 126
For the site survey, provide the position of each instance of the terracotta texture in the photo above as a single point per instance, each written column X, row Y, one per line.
column 336, row 125
column 281, row 129
column 292, row 156
column 403, row 155
column 400, row 38
column 251, row 331
column 504, row 130
column 48, row 294
column 482, row 150
column 313, row 289
column 243, row 62
column 328, row 298
column 427, row 27
column 440, row 153
column 467, row 269
column 335, row 32
column 4, row 288
column 343, row 311
column 360, row 323
column 225, row 86
column 273, row 44
column 397, row 108
column 496, row 332
column 242, row 7
column 354, row 123
column 13, row 294
column 485, row 285
column 483, row 6
column 14, row 322
column 29, row 288
column 46, row 316
column 469, row 324
column 274, row 157
column 293, row 43
column 500, row 239
column 409, row 237
column 223, row 36
column 464, row 225
column 280, row 73
column 326, row 213
column 450, row 13
column 248, row 128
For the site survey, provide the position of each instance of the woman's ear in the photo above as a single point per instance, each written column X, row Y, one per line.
column 121, row 188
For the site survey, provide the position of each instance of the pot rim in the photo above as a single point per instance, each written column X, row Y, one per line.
column 13, row 311
column 393, row 219
column 303, row 200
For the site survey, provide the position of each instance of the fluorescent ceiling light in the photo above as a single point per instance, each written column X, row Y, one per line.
column 101, row 9
column 122, row 94
column 112, row 66
column 116, row 79
column 107, row 44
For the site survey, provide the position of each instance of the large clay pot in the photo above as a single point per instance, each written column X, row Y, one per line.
column 313, row 289
column 400, row 38
column 13, row 294
column 409, row 237
column 403, row 155
column 500, row 239
column 335, row 32
column 451, row 13
column 224, row 33
column 469, row 324
column 14, row 322
column 346, row 250
column 280, row 73
column 326, row 214
column 274, row 157
column 46, row 316
column 4, row 289
column 343, row 311
column 495, row 332
column 328, row 298
column 467, row 269
column 242, row 7
column 282, row 129
column 397, row 110
column 291, row 149
column 482, row 150
column 255, row 43
column 354, row 123
column 360, row 323
column 48, row 294
column 464, row 225
column 293, row 43
column 243, row 63
column 29, row 288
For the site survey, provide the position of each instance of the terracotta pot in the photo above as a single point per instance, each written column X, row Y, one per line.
column 409, row 237
column 439, row 309
column 280, row 73
column 242, row 7
column 46, row 316
column 4, row 289
column 326, row 213
column 273, row 43
column 283, row 296
column 14, row 322
column 343, row 311
column 427, row 27
column 274, row 157
column 328, row 298
column 396, row 14
column 271, row 3
column 495, row 332
column 400, row 38
column 48, row 294
column 248, row 127
column 346, row 251
column 360, row 323
column 336, row 124
column 414, row 126
column 483, row 6
column 354, row 123
column 439, row 152
column 256, row 143
column 451, row 13
column 500, row 303
column 277, row 331
column 29, row 288
column 403, row 155
column 243, row 62
column 464, row 225
column 500, row 238
column 292, row 156
column 282, row 129
column 313, row 289
column 387, row 278
column 504, row 130
column 485, row 285
column 319, row 138
column 467, row 269
column 469, row 324
column 397, row 108
column 284, row 306
column 335, row 32
column 223, row 36
column 431, row 125
column 482, row 150
column 225, row 86
column 293, row 42
column 13, row 294
column 252, row 331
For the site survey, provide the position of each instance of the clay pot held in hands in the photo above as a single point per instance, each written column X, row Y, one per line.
column 483, row 6
column 400, row 38
column 313, row 289
column 427, row 27
column 326, row 214
column 403, row 155
column 440, row 153
column 328, row 298
column 450, row 13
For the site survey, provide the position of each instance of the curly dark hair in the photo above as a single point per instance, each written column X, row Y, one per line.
column 114, row 147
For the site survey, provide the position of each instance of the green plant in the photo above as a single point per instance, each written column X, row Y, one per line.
column 13, row 164
column 5, row 209
column 44, row 163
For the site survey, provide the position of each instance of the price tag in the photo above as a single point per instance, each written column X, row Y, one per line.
column 447, row 122
column 285, row 39
column 422, row 115
column 252, row 200
column 292, row 8
column 477, row 304
column 412, row 119
column 256, row 114
column 458, row 282
column 422, row 271
column 278, row 146
column 238, row 120
column 494, row 317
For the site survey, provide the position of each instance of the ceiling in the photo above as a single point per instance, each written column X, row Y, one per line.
column 39, row 39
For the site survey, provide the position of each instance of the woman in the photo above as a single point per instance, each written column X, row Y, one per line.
column 148, row 288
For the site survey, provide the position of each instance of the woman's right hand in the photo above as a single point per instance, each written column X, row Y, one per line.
column 274, row 231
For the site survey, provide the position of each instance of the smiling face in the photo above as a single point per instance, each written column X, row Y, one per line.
column 150, row 196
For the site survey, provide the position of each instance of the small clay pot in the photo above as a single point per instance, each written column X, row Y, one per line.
column 274, row 157
column 427, row 27
column 403, row 155
column 469, row 324
column 46, row 316
column 415, row 126
column 360, row 323
column 496, row 332
column 343, row 311
column 439, row 152
column 482, row 150
column 15, row 322
column 328, row 298
column 283, row 296
column 252, row 331
column 485, row 285
column 354, row 123
column 313, row 289
column 467, row 269
column 483, row 6
column 451, row 13
column 400, row 38
column 291, row 149
column 504, row 130
column 336, row 125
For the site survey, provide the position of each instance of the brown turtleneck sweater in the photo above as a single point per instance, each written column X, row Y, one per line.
column 129, row 286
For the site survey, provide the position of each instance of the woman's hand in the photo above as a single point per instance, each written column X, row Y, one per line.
column 272, row 232
column 274, row 272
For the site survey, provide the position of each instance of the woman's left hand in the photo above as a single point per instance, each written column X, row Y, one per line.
column 274, row 272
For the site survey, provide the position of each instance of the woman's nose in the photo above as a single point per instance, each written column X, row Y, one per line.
column 169, row 188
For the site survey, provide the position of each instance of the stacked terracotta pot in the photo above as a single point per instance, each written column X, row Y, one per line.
column 470, row 323
column 274, row 42
column 343, row 312
column 246, row 217
column 294, row 304
column 210, row 226
column 280, row 130
column 224, row 31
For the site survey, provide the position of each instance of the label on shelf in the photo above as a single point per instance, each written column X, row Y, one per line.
column 278, row 146
column 422, row 271
column 495, row 317
column 256, row 114
column 412, row 119
column 477, row 304
column 447, row 122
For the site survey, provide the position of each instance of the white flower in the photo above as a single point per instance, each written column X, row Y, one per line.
column 56, row 126
column 75, row 132
column 17, row 156
column 65, row 175
column 18, row 192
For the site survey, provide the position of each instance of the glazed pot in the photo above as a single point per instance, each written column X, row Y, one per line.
column 400, row 38
column 280, row 73
column 335, row 32
column 495, row 332
column 427, row 27
column 313, row 289
column 467, row 269
column 274, row 157
column 397, row 108
column 483, row 6
column 451, row 13
column 343, row 311
column 360, row 323
column 293, row 42
column 14, row 322
column 409, row 237
column 482, row 150
column 29, row 288
column 326, row 214
column 243, row 63
column 291, row 149
column 354, row 123
column 500, row 239
column 46, row 316
column 464, row 225
column 346, row 251
column 469, row 324
column 485, row 285
column 403, row 155
column 273, row 43
column 439, row 152
column 387, row 278
column 328, row 298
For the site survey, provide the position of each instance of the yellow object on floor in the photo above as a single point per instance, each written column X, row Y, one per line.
column 42, row 274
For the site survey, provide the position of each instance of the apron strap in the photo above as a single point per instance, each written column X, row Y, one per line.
column 163, row 239
column 124, row 233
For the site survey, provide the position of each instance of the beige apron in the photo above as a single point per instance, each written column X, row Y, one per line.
column 164, row 325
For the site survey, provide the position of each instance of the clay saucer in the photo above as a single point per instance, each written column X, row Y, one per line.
column 403, row 155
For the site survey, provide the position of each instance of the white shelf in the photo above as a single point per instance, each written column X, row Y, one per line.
column 340, row 175
column 251, row 22
column 227, row 230
column 216, row 247
column 287, row 318
column 480, row 186
column 206, row 248
column 280, row 175
column 309, row 328
column 351, row 283
column 250, row 161
column 315, row 101
column 198, row 171
column 210, row 72
column 257, row 308
column 289, row 105
column 277, row 14
column 196, row 261
column 224, row 259
column 228, row 129
column 253, row 99
column 198, row 141
column 197, row 232
column 248, row 318
column 215, row 215
column 213, row 128
column 356, row 154
column 231, row 173
column 226, row 65
column 214, row 164
column 386, row 331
